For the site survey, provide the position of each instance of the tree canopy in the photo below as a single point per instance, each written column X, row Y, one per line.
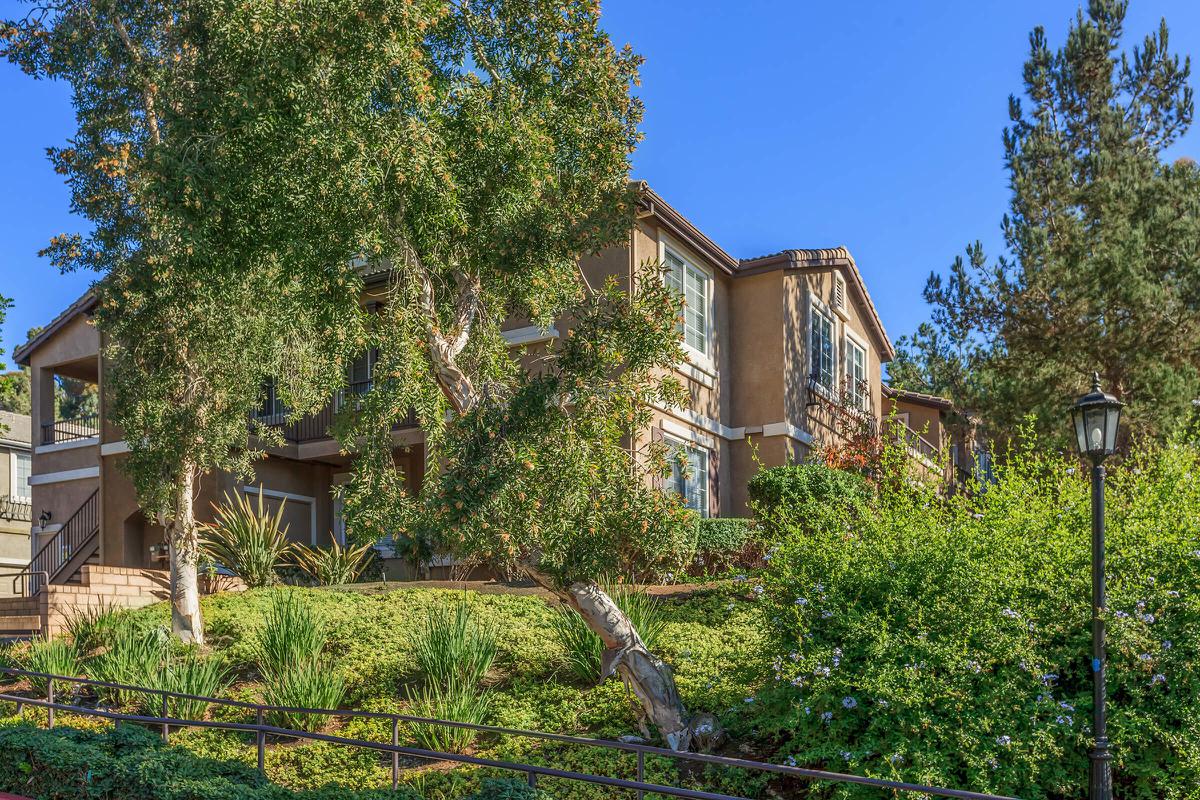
column 1102, row 269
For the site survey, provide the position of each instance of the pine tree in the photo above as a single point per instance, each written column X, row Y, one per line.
column 1102, row 269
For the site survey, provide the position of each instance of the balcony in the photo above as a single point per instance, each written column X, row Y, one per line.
column 315, row 427
column 16, row 509
column 82, row 426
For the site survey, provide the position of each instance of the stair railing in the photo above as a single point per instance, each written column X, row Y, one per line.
column 75, row 534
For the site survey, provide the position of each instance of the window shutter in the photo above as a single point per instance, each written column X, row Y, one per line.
column 839, row 293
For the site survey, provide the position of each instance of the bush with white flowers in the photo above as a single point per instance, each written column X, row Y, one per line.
column 947, row 641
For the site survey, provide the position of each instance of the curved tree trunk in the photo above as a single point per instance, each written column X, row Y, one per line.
column 644, row 673
column 184, row 549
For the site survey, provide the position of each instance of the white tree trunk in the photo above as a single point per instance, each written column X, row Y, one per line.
column 644, row 673
column 184, row 547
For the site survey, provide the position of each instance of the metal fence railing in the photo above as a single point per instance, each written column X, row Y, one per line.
column 532, row 772
column 83, row 426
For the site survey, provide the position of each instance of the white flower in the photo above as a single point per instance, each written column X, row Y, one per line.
column 748, row 700
column 1148, row 619
column 821, row 671
column 1063, row 720
column 881, row 703
column 1145, row 657
column 1008, row 612
column 790, row 761
column 807, row 711
column 729, row 607
column 1004, row 741
column 758, row 590
column 1167, row 645
column 845, row 755
column 849, row 702
column 801, row 601
column 1120, row 615
column 826, row 716
column 826, row 614
column 896, row 758
column 1066, row 706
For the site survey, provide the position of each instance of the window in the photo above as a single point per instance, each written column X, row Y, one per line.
column 358, row 374
column 692, row 486
column 692, row 283
column 22, row 467
column 821, row 345
column 856, row 374
column 270, row 406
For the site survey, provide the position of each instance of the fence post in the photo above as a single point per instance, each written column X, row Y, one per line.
column 532, row 780
column 641, row 773
column 50, row 700
column 166, row 728
column 262, row 743
column 395, row 755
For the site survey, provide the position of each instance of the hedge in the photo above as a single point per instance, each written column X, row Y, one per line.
column 131, row 763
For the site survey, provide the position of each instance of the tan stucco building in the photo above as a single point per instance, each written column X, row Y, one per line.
column 779, row 349
column 15, row 502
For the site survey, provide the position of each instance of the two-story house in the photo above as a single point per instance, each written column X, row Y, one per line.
column 779, row 349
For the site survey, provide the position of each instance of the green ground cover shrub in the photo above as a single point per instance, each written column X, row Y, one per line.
column 723, row 543
column 948, row 641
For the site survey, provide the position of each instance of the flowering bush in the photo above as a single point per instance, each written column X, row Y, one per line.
column 947, row 641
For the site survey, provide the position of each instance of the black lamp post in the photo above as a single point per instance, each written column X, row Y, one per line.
column 1096, row 416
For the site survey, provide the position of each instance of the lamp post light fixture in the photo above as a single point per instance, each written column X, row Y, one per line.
column 1096, row 416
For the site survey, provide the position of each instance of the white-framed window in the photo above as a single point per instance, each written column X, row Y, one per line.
column 690, row 482
column 856, row 374
column 695, row 286
column 20, row 468
column 821, row 348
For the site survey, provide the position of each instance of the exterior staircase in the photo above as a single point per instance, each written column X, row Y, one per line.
column 66, row 578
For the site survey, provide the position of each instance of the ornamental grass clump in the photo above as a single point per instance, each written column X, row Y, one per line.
column 193, row 674
column 133, row 658
column 52, row 657
column 454, row 652
column 583, row 648
column 295, row 671
column 247, row 539
column 947, row 641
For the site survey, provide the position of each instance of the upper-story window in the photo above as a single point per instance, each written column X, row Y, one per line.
column 856, row 374
column 360, row 370
column 270, row 405
column 690, row 482
column 21, row 469
column 821, row 348
column 693, row 283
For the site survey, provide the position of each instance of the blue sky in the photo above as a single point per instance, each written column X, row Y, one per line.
column 874, row 125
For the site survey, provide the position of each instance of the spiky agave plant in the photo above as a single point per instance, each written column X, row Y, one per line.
column 334, row 565
column 247, row 539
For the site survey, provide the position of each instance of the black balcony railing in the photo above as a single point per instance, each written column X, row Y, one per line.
column 315, row 427
column 84, row 426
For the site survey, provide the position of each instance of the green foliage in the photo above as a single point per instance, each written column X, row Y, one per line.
column 52, row 657
column 947, row 641
column 808, row 495
column 506, row 789
column 452, row 701
column 295, row 672
column 334, row 565
column 312, row 682
column 292, row 634
column 191, row 673
column 93, row 627
column 583, row 647
column 135, row 658
column 453, row 648
column 248, row 540
column 1092, row 192
column 725, row 542
column 68, row 764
